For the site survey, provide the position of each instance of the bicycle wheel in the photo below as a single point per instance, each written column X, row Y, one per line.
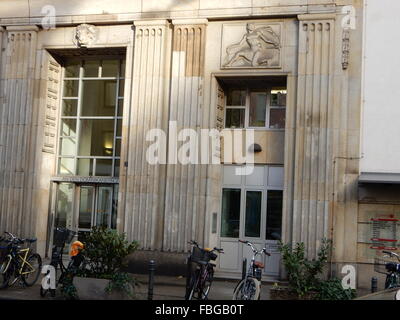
column 32, row 270
column 247, row 289
column 207, row 284
column 193, row 287
column 5, row 274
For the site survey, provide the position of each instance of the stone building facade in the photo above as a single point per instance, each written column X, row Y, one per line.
column 78, row 100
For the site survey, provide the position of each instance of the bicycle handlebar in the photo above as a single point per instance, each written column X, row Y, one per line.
column 263, row 250
column 392, row 254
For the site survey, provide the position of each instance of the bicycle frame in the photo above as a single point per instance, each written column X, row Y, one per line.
column 22, row 258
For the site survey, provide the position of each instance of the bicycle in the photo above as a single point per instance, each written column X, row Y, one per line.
column 61, row 237
column 390, row 269
column 201, row 279
column 17, row 262
column 249, row 288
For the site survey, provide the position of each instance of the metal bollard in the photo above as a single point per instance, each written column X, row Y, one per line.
column 152, row 269
column 374, row 284
column 244, row 268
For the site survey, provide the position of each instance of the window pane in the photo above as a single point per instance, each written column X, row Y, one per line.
column 110, row 68
column 104, row 209
column 122, row 74
column 230, row 216
column 103, row 167
column 274, row 215
column 98, row 98
column 277, row 118
column 68, row 127
column 114, row 207
column 234, row 118
column 64, row 205
column 278, row 97
column 86, row 207
column 70, row 107
column 91, row 68
column 96, row 137
column 253, row 214
column 67, row 146
column 258, row 106
column 85, row 167
column 72, row 69
column 66, row 166
column 71, row 88
column 236, row 98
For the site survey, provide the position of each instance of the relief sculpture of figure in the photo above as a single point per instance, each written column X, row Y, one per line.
column 256, row 48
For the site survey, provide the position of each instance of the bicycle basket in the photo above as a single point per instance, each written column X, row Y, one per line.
column 199, row 255
column 61, row 236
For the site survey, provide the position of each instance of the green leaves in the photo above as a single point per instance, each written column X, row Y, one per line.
column 304, row 275
column 105, row 251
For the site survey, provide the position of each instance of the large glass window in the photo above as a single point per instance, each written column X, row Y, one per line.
column 253, row 214
column 91, row 117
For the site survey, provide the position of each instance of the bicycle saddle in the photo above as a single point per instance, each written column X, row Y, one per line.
column 258, row 264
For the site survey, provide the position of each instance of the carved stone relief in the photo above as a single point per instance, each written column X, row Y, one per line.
column 251, row 45
column 85, row 35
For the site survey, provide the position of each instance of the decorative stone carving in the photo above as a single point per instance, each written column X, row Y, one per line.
column 85, row 35
column 345, row 49
column 258, row 47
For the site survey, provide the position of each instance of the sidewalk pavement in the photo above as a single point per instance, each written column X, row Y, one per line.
column 165, row 288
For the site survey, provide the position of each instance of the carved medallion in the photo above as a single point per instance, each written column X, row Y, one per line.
column 251, row 45
column 85, row 35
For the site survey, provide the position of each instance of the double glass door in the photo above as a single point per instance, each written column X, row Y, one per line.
column 251, row 209
column 81, row 207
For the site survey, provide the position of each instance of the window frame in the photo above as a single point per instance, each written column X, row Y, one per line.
column 268, row 107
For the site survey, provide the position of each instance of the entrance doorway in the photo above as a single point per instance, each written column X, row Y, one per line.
column 251, row 210
column 80, row 207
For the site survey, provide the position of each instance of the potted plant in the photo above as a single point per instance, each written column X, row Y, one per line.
column 103, row 277
column 304, row 276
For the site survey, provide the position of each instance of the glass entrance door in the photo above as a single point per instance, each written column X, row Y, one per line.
column 95, row 207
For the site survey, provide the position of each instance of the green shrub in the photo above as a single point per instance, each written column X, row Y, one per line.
column 304, row 276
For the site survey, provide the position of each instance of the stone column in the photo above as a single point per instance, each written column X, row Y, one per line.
column 16, row 158
column 145, row 182
column 186, row 183
column 315, row 133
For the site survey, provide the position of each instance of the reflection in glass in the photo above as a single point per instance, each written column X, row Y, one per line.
column 70, row 107
column 85, row 167
column 278, row 97
column 230, row 216
column 234, row 118
column 71, row 88
column 258, row 107
column 64, row 212
column 110, row 68
column 117, row 147
column 72, row 69
column 274, row 214
column 98, row 98
column 67, row 146
column 68, row 127
column 277, row 118
column 120, row 107
column 66, row 166
column 91, row 68
column 104, row 210
column 116, row 168
column 103, row 167
column 236, row 98
column 86, row 207
column 95, row 138
column 253, row 214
